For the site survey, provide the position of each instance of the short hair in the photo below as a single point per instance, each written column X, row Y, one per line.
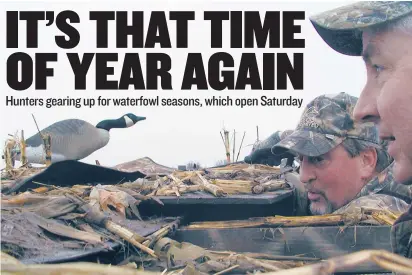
column 355, row 146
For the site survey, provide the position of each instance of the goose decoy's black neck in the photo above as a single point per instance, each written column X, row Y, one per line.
column 123, row 122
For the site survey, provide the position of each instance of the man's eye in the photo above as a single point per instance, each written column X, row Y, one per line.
column 316, row 160
column 377, row 68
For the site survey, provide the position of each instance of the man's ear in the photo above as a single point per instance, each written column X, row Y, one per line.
column 368, row 158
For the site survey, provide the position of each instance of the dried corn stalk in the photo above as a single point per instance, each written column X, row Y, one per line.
column 25, row 198
column 227, row 224
column 217, row 261
column 382, row 258
column 211, row 188
column 269, row 186
column 47, row 148
column 258, row 168
column 183, row 189
column 234, row 186
column 329, row 219
column 11, row 266
column 23, row 149
column 129, row 236
column 10, row 143
column 41, row 190
column 232, row 179
column 162, row 232
column 264, row 256
column 94, row 216
column 384, row 216
column 186, row 174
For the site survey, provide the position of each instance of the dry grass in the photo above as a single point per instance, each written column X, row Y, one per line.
column 11, row 266
column 382, row 258
column 381, row 216
column 221, row 181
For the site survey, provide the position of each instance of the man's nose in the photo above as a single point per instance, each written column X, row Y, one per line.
column 306, row 171
column 366, row 108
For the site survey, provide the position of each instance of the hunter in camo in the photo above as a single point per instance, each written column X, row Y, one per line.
column 342, row 30
column 325, row 123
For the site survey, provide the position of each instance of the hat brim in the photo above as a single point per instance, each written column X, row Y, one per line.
column 347, row 42
column 342, row 28
column 307, row 143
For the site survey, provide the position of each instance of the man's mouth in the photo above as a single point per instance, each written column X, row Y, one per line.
column 391, row 144
column 313, row 196
column 387, row 138
column 385, row 134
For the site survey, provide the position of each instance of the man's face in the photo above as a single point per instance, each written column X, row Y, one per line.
column 330, row 186
column 387, row 95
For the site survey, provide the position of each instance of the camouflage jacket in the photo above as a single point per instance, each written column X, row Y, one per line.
column 401, row 235
column 383, row 192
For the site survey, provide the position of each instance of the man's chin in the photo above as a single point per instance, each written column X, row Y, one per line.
column 317, row 208
column 402, row 171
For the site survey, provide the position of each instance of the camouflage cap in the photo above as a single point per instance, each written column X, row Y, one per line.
column 341, row 28
column 325, row 123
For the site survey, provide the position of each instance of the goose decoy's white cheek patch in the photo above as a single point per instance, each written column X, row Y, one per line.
column 129, row 122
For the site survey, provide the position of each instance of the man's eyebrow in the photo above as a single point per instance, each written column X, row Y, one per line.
column 369, row 51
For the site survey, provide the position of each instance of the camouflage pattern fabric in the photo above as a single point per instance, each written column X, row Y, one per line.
column 342, row 28
column 401, row 234
column 382, row 192
column 384, row 183
column 325, row 123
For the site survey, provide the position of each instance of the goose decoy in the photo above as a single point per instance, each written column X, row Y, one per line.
column 74, row 139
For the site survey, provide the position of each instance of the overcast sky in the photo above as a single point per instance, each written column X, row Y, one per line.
column 175, row 135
